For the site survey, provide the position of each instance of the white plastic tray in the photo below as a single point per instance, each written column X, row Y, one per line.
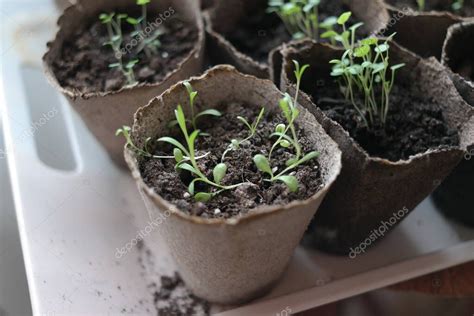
column 75, row 209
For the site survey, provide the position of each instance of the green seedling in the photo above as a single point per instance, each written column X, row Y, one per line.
column 347, row 38
column 301, row 17
column 328, row 26
column 127, row 70
column 365, row 69
column 421, row 5
column 113, row 23
column 195, row 116
column 235, row 143
column 291, row 113
column 149, row 43
column 146, row 152
column 457, row 5
column 188, row 149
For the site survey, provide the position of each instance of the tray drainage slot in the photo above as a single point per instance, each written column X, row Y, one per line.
column 47, row 124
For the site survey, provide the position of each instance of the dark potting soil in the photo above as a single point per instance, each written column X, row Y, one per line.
column 466, row 69
column 173, row 298
column 435, row 5
column 413, row 126
column 162, row 177
column 84, row 61
column 258, row 33
column 169, row 294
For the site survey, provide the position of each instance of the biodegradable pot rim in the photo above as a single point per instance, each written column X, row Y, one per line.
column 72, row 93
column 369, row 158
column 453, row 29
column 433, row 13
column 247, row 58
column 258, row 212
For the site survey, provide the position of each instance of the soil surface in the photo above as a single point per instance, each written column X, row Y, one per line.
column 259, row 33
column 413, row 126
column 436, row 5
column 466, row 69
column 84, row 61
column 161, row 175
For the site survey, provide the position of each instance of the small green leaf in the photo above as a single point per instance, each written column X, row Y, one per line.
column 391, row 36
column 343, row 18
column 309, row 156
column 210, row 112
column 106, row 18
column 179, row 113
column 191, row 187
column 298, row 35
column 244, row 121
column 285, row 144
column 219, row 172
column 280, row 128
column 284, row 136
column 356, row 26
column 395, row 67
column 125, row 130
column 192, row 96
column 187, row 167
column 337, row 72
column 369, row 41
column 381, row 48
column 235, row 144
column 259, row 118
column 192, row 138
column 355, row 69
column 132, row 21
column 378, row 68
column 173, row 142
column 328, row 22
column 310, row 5
column 329, row 34
column 178, row 155
column 262, row 164
column 116, row 38
column 290, row 181
column 203, row 197
column 299, row 71
column 361, row 51
column 131, row 64
column 188, row 87
column 285, row 107
column 290, row 9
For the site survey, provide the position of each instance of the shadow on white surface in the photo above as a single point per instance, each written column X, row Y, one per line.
column 14, row 297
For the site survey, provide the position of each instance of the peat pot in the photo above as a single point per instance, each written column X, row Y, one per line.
column 230, row 260
column 103, row 104
column 454, row 196
column 373, row 194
